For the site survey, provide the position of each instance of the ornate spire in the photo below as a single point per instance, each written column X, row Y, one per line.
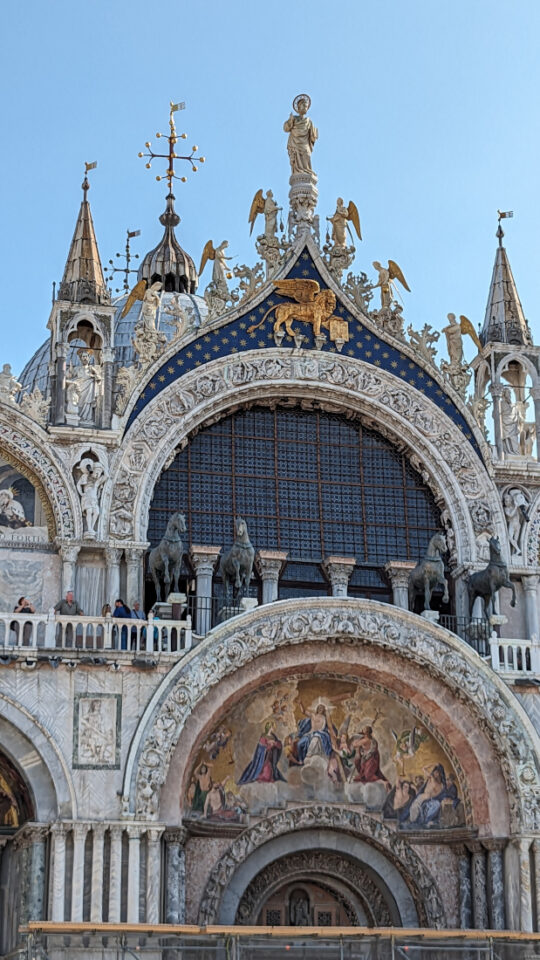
column 168, row 262
column 504, row 321
column 83, row 280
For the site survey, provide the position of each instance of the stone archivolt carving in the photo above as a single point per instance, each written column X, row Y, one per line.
column 33, row 460
column 347, row 384
column 363, row 622
column 317, row 816
column 314, row 865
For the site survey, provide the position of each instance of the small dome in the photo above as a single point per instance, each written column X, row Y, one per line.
column 36, row 371
column 168, row 262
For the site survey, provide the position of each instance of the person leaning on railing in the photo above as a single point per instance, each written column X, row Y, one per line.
column 67, row 608
column 122, row 610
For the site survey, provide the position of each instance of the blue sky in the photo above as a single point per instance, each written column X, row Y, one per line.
column 427, row 113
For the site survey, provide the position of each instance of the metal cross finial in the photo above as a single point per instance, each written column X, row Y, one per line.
column 171, row 156
column 85, row 183
column 126, row 270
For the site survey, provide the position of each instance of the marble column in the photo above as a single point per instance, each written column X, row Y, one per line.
column 134, row 873
column 530, row 589
column 464, row 887
column 134, row 563
column 59, row 395
column 96, row 896
column 339, row 570
column 536, row 853
column 58, row 877
column 269, row 564
column 525, row 898
column 479, row 886
column 115, row 875
column 496, row 390
column 398, row 573
column 38, row 872
column 203, row 560
column 113, row 555
column 153, row 874
column 69, row 554
column 175, row 906
column 80, row 831
column 108, row 367
column 495, row 882
column 535, row 393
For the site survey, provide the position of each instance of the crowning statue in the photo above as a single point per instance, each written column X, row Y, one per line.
column 457, row 370
column 302, row 135
column 217, row 294
column 9, row 384
column 387, row 276
column 268, row 246
column 339, row 254
column 303, row 193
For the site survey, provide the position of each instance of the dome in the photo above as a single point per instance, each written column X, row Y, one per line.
column 36, row 371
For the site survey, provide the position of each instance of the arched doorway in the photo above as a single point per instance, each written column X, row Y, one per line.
column 318, row 888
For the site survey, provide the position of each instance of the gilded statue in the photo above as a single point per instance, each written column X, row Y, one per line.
column 454, row 333
column 340, row 221
column 302, row 135
column 313, row 305
column 267, row 206
column 387, row 276
column 150, row 296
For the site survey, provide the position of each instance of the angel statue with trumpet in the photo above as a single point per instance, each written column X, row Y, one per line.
column 340, row 222
column 220, row 271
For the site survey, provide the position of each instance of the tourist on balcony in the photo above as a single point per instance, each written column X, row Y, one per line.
column 106, row 610
column 23, row 606
column 68, row 607
column 122, row 611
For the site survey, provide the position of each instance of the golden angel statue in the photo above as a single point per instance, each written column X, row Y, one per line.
column 220, row 272
column 302, row 135
column 340, row 221
column 387, row 276
column 150, row 296
column 454, row 334
column 268, row 206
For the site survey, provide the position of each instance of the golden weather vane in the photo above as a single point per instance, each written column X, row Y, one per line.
column 171, row 156
column 128, row 256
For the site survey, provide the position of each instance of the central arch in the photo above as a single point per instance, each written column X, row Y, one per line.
column 406, row 886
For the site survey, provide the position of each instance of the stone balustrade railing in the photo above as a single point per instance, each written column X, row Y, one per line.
column 37, row 631
column 515, row 657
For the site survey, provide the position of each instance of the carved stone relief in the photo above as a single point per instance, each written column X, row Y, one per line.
column 96, row 731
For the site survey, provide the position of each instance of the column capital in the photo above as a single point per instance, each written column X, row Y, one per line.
column 30, row 833
column 496, row 389
column 154, row 834
column 134, row 554
column 113, row 555
column 98, row 829
column 270, row 563
column 68, row 551
column 134, row 831
column 204, row 558
column 58, row 828
column 530, row 582
column 80, row 830
column 494, row 843
column 338, row 571
column 177, row 835
column 398, row 572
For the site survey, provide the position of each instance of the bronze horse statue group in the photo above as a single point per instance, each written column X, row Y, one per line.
column 429, row 574
column 236, row 567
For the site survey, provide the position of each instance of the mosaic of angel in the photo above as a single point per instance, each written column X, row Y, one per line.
column 324, row 739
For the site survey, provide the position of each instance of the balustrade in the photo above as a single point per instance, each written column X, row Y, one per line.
column 38, row 631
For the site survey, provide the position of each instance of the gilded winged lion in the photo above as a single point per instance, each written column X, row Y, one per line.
column 313, row 305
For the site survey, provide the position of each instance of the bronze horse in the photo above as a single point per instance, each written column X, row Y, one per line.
column 237, row 565
column 166, row 558
column 486, row 583
column 429, row 573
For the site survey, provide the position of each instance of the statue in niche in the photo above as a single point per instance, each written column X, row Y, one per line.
column 299, row 912
column 84, row 387
column 515, row 506
column 11, row 511
column 302, row 135
column 92, row 477
column 510, row 424
column 9, row 385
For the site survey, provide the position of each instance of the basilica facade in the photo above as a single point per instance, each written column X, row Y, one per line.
column 317, row 705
